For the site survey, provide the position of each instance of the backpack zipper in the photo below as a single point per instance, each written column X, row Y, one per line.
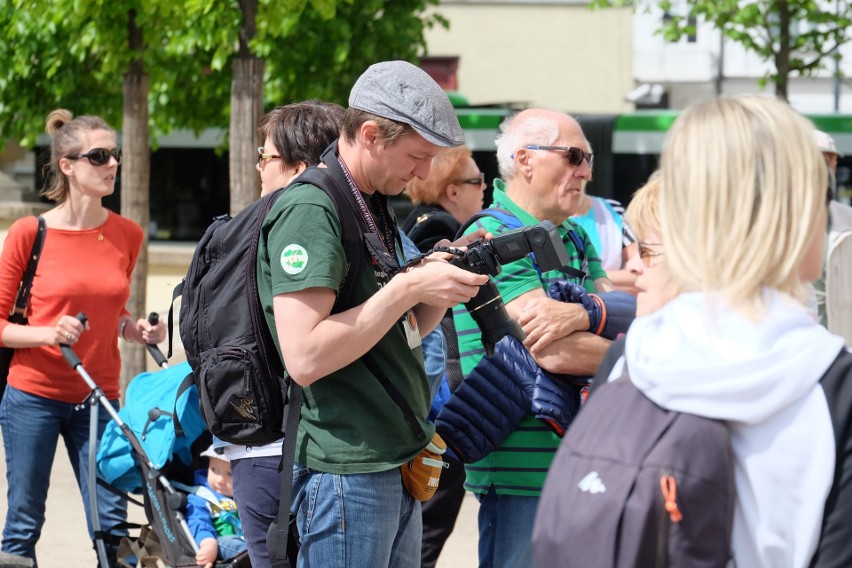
column 669, row 513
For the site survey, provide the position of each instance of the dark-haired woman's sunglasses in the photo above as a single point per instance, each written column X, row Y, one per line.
column 99, row 156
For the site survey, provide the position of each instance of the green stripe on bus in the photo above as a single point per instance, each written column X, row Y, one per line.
column 481, row 118
column 658, row 121
column 832, row 122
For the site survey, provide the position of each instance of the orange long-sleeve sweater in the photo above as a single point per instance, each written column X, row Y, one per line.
column 79, row 271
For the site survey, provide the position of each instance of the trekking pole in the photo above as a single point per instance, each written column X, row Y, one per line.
column 97, row 396
column 162, row 362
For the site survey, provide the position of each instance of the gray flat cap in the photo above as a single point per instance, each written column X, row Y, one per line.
column 400, row 91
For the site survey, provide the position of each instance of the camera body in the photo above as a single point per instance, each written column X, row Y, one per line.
column 486, row 257
column 541, row 239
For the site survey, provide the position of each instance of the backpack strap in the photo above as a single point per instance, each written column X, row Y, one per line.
column 355, row 235
column 278, row 534
column 511, row 221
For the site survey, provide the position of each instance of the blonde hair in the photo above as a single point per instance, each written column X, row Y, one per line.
column 67, row 133
column 742, row 186
column 446, row 169
column 643, row 212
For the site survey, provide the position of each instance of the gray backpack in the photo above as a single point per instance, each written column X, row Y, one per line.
column 635, row 485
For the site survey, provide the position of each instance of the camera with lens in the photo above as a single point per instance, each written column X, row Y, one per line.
column 486, row 257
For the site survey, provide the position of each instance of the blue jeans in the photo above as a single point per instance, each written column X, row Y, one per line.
column 257, row 488
column 505, row 530
column 355, row 520
column 31, row 427
column 230, row 546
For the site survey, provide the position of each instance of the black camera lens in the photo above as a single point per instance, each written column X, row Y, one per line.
column 489, row 312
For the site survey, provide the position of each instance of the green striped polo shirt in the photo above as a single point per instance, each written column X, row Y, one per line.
column 519, row 465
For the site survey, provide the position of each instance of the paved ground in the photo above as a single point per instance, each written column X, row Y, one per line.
column 65, row 542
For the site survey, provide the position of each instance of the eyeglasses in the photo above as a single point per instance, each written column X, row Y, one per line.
column 98, row 156
column 646, row 254
column 262, row 157
column 575, row 155
column 474, row 181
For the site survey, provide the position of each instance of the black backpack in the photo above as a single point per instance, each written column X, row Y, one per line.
column 633, row 484
column 242, row 385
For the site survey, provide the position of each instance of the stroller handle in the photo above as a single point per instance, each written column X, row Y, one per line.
column 154, row 319
column 71, row 357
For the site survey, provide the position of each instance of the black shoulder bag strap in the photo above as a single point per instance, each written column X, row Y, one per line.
column 19, row 308
column 18, row 314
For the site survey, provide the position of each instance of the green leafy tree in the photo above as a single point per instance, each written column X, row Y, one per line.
column 150, row 66
column 286, row 50
column 797, row 37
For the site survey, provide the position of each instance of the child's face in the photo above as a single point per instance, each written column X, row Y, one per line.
column 219, row 477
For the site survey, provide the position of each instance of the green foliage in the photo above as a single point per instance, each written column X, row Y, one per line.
column 796, row 36
column 74, row 54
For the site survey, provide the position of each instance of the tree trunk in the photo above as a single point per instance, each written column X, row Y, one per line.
column 135, row 189
column 782, row 56
column 246, row 110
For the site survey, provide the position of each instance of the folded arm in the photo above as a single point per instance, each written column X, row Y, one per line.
column 556, row 334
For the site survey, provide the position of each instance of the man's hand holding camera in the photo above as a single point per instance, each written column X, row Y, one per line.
column 435, row 282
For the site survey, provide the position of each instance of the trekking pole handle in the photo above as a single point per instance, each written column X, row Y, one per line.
column 154, row 319
column 67, row 352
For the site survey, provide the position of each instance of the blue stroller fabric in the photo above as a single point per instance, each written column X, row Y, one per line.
column 149, row 403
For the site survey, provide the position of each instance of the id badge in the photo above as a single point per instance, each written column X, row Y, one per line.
column 412, row 333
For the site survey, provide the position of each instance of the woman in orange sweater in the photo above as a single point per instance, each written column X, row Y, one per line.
column 88, row 256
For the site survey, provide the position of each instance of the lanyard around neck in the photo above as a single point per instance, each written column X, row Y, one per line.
column 386, row 235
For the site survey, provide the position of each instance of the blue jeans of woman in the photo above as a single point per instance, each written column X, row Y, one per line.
column 355, row 520
column 31, row 427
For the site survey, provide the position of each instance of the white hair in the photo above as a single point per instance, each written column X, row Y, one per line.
column 514, row 136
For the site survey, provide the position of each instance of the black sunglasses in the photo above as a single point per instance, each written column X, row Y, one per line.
column 99, row 156
column 474, row 181
column 575, row 155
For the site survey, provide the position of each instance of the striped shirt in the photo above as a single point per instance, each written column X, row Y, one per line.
column 519, row 465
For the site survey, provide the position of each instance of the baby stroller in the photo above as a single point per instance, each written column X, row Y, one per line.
column 141, row 452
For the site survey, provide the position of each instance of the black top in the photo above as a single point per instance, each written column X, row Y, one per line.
column 428, row 224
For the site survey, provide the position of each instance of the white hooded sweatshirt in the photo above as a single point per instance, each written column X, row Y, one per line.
column 761, row 378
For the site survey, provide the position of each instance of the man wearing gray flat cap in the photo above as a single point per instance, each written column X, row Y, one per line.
column 348, row 326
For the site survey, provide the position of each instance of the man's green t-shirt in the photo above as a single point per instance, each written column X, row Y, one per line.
column 519, row 465
column 349, row 422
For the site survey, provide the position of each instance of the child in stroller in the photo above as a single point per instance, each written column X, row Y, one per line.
column 211, row 512
column 162, row 418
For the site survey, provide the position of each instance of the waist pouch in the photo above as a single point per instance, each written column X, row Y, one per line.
column 421, row 475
